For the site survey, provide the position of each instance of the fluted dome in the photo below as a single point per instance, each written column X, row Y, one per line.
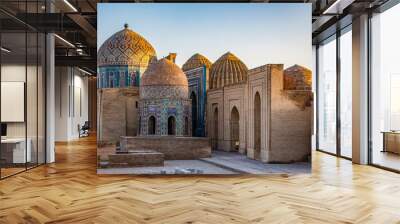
column 126, row 47
column 227, row 70
column 196, row 61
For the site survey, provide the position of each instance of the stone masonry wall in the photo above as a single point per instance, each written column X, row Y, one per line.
column 173, row 148
column 290, row 121
column 117, row 113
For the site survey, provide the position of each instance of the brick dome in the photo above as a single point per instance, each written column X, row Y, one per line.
column 164, row 79
column 227, row 70
column 164, row 73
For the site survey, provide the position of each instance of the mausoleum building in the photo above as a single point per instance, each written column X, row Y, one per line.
column 264, row 113
column 164, row 105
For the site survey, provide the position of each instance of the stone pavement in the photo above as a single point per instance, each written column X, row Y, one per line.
column 171, row 167
column 241, row 164
column 220, row 163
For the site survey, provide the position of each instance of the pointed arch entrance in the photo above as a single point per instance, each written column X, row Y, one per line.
column 194, row 113
column 234, row 129
column 214, row 139
column 257, row 126
column 152, row 126
column 171, row 125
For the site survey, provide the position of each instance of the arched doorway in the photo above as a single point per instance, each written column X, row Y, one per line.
column 214, row 139
column 234, row 128
column 152, row 126
column 171, row 125
column 194, row 113
column 257, row 126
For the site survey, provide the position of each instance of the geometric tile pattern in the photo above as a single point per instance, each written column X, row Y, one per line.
column 161, row 110
column 122, row 58
column 125, row 47
column 197, row 79
column 118, row 76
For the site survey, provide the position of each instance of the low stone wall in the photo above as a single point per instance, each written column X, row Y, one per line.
column 136, row 158
column 173, row 148
column 117, row 113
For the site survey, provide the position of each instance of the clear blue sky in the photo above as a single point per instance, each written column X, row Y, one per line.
column 256, row 33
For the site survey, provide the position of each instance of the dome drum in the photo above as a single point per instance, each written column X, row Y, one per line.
column 173, row 92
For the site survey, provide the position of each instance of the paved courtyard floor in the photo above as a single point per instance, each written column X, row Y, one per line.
column 242, row 164
column 219, row 163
